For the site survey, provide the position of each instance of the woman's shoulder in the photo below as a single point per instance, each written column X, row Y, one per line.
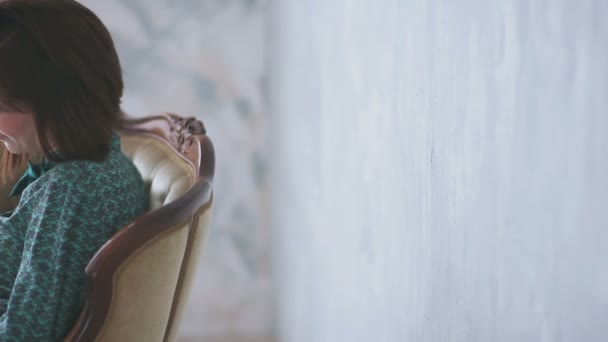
column 112, row 189
column 90, row 182
column 116, row 171
column 85, row 178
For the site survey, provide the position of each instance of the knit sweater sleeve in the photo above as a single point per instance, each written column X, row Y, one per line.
column 49, row 287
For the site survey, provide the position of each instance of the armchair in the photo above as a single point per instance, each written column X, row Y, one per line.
column 140, row 279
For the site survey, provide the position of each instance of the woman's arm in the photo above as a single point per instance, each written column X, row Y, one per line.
column 49, row 287
column 11, row 246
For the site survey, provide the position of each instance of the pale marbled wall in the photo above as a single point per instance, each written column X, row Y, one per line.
column 207, row 58
column 441, row 170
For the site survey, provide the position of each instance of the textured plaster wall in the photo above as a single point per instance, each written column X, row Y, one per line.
column 439, row 170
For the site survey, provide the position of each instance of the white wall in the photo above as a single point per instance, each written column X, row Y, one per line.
column 440, row 170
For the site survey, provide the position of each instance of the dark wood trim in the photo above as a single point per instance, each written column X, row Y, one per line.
column 187, row 136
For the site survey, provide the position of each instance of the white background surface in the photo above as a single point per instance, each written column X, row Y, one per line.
column 440, row 170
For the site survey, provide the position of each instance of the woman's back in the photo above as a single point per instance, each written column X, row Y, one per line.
column 62, row 219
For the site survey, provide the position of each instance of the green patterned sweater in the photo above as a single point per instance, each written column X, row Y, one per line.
column 62, row 219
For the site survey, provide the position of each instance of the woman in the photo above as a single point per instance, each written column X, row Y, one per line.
column 60, row 91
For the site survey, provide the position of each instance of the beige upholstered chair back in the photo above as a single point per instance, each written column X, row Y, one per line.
column 141, row 278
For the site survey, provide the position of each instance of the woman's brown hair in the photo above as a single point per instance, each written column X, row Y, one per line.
column 58, row 62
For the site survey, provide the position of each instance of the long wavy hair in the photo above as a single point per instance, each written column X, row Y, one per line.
column 58, row 63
